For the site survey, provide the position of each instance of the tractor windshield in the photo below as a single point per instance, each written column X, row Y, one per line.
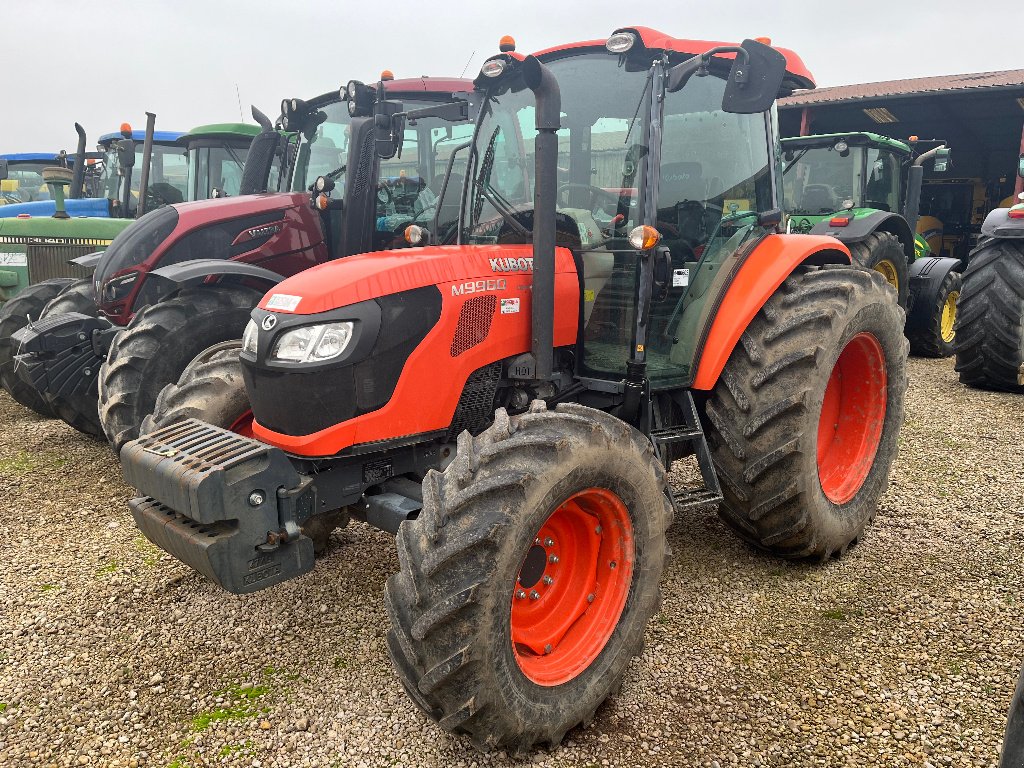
column 168, row 175
column 323, row 147
column 215, row 166
column 715, row 174
column 822, row 180
column 24, row 182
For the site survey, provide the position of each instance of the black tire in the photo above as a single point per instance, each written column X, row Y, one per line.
column 156, row 348
column 450, row 640
column 78, row 411
column 883, row 253
column 14, row 315
column 763, row 415
column 989, row 342
column 937, row 340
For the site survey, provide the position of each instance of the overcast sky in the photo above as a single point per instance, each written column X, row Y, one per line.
column 102, row 62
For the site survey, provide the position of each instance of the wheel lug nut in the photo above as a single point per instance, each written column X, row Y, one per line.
column 590, row 598
column 611, row 564
column 256, row 498
column 553, row 559
column 534, row 594
column 598, row 530
column 548, row 580
column 521, row 595
column 549, row 542
column 548, row 648
column 537, row 540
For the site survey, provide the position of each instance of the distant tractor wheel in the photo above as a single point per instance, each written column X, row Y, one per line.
column 804, row 421
column 27, row 305
column 937, row 339
column 78, row 411
column 527, row 580
column 883, row 253
column 156, row 348
column 989, row 340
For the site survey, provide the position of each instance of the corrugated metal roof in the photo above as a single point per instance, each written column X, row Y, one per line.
column 864, row 91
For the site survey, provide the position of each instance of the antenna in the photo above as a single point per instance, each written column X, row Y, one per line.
column 239, row 97
column 467, row 64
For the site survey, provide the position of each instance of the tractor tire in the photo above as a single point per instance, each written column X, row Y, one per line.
column 937, row 340
column 27, row 305
column 883, row 253
column 79, row 411
column 804, row 421
column 989, row 341
column 211, row 389
column 156, row 348
column 495, row 635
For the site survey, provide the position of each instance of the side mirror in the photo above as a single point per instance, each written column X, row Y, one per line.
column 754, row 85
column 941, row 164
column 1020, row 167
column 388, row 128
column 126, row 153
column 3, row 169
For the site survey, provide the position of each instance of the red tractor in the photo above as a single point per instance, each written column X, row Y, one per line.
column 184, row 278
column 509, row 406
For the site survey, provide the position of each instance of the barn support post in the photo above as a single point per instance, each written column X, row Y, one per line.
column 1019, row 186
column 805, row 122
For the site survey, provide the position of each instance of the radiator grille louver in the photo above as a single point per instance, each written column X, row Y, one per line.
column 474, row 323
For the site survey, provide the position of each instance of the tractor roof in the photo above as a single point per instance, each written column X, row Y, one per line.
column 798, row 76
column 29, row 157
column 857, row 138
column 160, row 137
column 243, row 131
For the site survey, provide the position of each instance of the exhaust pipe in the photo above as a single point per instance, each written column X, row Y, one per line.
column 915, row 178
column 147, row 157
column 78, row 179
column 539, row 79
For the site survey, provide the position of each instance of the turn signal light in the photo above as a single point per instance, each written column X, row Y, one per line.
column 643, row 238
column 322, row 202
column 1016, row 212
column 839, row 221
column 507, row 44
column 415, row 235
column 763, row 40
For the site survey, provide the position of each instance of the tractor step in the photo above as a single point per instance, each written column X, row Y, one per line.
column 59, row 354
column 675, row 435
column 693, row 499
column 228, row 506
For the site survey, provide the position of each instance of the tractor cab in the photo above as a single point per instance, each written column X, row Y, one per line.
column 215, row 156
column 23, row 181
column 168, row 173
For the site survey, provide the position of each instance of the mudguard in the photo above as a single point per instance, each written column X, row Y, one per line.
column 757, row 278
column 999, row 224
column 196, row 271
column 861, row 227
column 926, row 276
column 88, row 261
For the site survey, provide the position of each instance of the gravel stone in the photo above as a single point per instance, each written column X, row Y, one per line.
column 903, row 653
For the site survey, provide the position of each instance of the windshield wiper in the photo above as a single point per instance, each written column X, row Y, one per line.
column 647, row 84
column 792, row 163
column 490, row 194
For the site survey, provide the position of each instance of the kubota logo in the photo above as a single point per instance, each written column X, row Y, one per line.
column 524, row 264
column 269, row 322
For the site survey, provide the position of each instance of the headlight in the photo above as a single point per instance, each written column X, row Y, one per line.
column 620, row 42
column 249, row 338
column 313, row 343
column 119, row 287
column 493, row 68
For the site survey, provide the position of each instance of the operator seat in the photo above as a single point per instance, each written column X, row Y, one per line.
column 817, row 198
column 682, row 196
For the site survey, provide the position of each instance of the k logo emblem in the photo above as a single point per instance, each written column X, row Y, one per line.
column 269, row 322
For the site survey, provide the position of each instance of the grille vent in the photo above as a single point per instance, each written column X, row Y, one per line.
column 474, row 323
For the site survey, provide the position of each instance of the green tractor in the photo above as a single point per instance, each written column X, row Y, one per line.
column 864, row 190
column 41, row 256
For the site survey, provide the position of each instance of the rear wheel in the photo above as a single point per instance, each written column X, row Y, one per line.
column 989, row 340
column 804, row 421
column 79, row 411
column 883, row 253
column 937, row 339
column 156, row 348
column 527, row 580
column 27, row 305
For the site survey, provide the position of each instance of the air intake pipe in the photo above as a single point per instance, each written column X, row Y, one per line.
column 78, row 179
column 539, row 79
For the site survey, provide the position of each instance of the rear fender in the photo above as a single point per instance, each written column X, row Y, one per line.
column 765, row 268
column 999, row 224
column 861, row 227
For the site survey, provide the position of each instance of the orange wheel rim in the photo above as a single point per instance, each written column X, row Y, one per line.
column 243, row 425
column 572, row 587
column 851, row 420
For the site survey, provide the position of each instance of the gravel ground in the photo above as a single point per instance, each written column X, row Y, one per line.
column 903, row 653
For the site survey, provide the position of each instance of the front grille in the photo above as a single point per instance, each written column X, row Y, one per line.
column 476, row 405
column 474, row 323
column 49, row 261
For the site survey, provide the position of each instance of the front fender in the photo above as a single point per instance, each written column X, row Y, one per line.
column 762, row 272
column 999, row 224
column 198, row 270
column 926, row 277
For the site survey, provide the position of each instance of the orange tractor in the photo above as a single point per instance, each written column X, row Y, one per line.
column 509, row 404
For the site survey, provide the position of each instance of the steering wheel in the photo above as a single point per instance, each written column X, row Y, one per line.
column 610, row 206
column 384, row 196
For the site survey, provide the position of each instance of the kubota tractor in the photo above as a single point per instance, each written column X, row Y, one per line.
column 184, row 279
column 864, row 189
column 509, row 405
column 990, row 323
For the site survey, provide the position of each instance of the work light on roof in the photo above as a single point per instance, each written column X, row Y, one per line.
column 352, row 88
column 492, row 68
column 620, row 42
column 285, row 104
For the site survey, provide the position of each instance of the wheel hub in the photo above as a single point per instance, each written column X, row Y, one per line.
column 949, row 317
column 572, row 586
column 888, row 271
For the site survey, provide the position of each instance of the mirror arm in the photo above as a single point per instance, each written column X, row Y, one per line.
column 698, row 65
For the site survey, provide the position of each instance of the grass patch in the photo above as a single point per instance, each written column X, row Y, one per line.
column 3, row 707
column 24, row 462
column 107, row 568
column 340, row 662
column 245, row 749
column 48, row 587
column 178, row 762
column 243, row 706
column 841, row 614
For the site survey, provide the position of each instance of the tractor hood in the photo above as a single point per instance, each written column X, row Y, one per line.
column 204, row 211
column 48, row 229
column 97, row 207
column 454, row 269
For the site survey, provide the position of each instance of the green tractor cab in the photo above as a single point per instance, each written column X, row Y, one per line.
column 864, row 189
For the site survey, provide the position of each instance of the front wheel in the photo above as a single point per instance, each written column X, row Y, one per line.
column 527, row 580
column 804, row 421
column 936, row 340
column 883, row 253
